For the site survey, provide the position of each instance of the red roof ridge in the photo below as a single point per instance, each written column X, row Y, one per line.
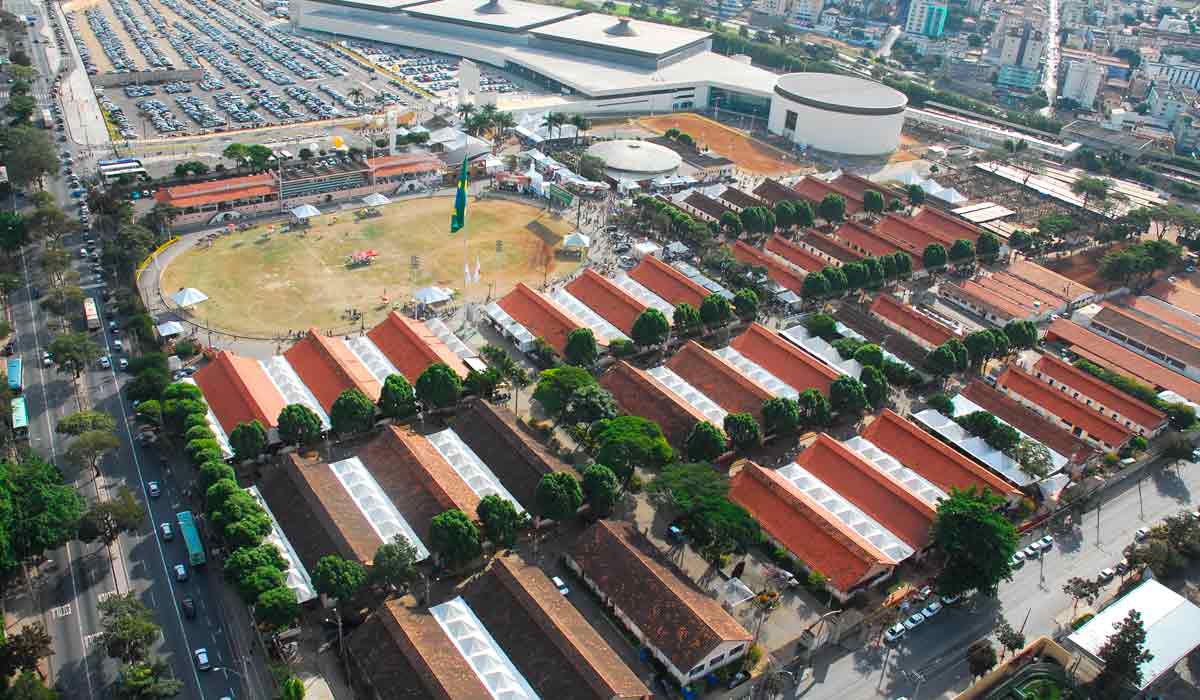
column 1099, row 426
column 795, row 254
column 600, row 294
column 782, row 272
column 722, row 370
column 1127, row 405
column 435, row 471
column 861, row 464
column 229, row 368
column 421, row 340
column 888, row 416
column 560, row 319
column 683, row 286
column 928, row 328
column 757, row 330
column 343, row 360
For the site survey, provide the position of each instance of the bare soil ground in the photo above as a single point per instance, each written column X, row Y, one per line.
column 748, row 153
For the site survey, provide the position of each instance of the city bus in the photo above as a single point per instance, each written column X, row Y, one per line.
column 20, row 420
column 90, row 314
column 16, row 380
column 111, row 170
column 191, row 538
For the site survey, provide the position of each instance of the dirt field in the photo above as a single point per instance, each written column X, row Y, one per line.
column 1083, row 268
column 749, row 155
column 263, row 283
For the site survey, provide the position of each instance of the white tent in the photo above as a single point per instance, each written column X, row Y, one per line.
column 188, row 296
column 305, row 211
column 170, row 328
column 909, row 177
column 930, row 186
column 431, row 295
column 375, row 200
column 493, row 164
column 576, row 240
column 951, row 196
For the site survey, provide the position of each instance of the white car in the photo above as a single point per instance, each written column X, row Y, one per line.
column 105, row 362
column 932, row 609
column 202, row 661
column 562, row 587
column 117, row 345
column 1107, row 575
column 895, row 632
column 123, row 363
column 152, row 486
column 1045, row 543
column 167, row 533
column 181, row 573
column 1141, row 534
column 914, row 621
column 1032, row 552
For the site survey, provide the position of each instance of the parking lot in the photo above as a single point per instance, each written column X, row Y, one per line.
column 255, row 73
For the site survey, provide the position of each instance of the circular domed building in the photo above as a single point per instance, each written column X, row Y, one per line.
column 837, row 113
column 635, row 160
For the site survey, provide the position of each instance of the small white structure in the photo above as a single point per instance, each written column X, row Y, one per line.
column 168, row 329
column 305, row 211
column 576, row 241
column 635, row 160
column 376, row 199
column 188, row 296
column 431, row 296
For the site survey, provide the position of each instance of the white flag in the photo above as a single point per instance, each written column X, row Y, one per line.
column 467, row 273
column 476, row 269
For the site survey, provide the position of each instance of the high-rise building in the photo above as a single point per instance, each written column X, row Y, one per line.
column 926, row 17
column 1083, row 81
column 1022, row 47
column 807, row 11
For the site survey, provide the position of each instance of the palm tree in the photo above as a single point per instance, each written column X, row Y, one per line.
column 552, row 121
column 503, row 121
column 581, row 124
column 465, row 110
column 356, row 94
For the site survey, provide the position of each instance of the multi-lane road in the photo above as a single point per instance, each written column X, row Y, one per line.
column 79, row 575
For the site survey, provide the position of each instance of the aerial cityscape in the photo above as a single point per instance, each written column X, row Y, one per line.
column 582, row 350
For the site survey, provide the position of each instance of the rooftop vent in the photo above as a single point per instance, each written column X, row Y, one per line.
column 621, row 28
column 491, row 7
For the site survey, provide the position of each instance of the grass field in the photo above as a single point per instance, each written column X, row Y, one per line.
column 264, row 283
column 749, row 154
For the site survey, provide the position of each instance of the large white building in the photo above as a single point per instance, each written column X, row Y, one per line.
column 594, row 63
column 1022, row 47
column 926, row 17
column 1083, row 82
column 837, row 113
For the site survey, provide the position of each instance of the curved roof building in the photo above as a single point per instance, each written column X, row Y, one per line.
column 635, row 160
column 837, row 113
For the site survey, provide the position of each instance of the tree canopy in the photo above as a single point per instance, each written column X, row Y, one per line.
column 352, row 412
column 397, row 399
column 555, row 387
column 581, row 349
column 705, row 442
column 438, row 386
column 454, row 537
column 338, row 578
column 976, row 540
column 298, row 425
column 601, row 489
column 500, row 520
column 628, row 441
column 558, row 496
column 650, row 328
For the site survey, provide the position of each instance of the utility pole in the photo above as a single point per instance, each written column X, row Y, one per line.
column 1141, row 509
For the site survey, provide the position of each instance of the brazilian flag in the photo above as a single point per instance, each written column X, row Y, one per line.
column 459, row 219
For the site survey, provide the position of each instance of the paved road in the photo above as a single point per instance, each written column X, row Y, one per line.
column 889, row 40
column 937, row 650
column 1050, row 70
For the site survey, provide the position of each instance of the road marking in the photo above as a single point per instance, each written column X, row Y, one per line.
column 105, row 596
column 61, row 611
column 87, row 640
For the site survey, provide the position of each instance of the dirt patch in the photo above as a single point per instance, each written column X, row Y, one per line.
column 1083, row 268
column 748, row 153
column 263, row 282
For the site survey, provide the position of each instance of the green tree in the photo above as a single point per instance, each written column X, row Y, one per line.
column 500, row 520
column 832, row 208
column 705, row 442
column 816, row 286
column 589, row 404
column 869, row 355
column 934, row 257
column 23, row 650
column 87, row 449
column 975, row 539
column 277, row 608
column 438, row 386
column 556, row 386
column 298, row 425
column 454, row 537
column 745, row 303
column 127, row 629
column 558, row 496
column 785, row 214
column 147, row 680
column 395, row 563
column 1010, row 639
column 873, row 202
column 822, row 325
column 29, row 686
column 988, row 247
column 73, row 352
column 981, row 656
column 962, row 252
column 981, row 347
column 836, row 279
column 743, row 431
column 686, row 319
column 244, row 560
column 1021, row 334
column 715, row 311
column 259, row 581
column 84, row 421
column 720, row 527
column 292, row 689
column 352, row 412
column 628, row 441
column 581, row 349
column 212, row 472
column 1080, row 588
column 781, row 415
column 875, row 385
column 601, row 489
column 904, row 263
column 30, row 156
column 397, row 399
column 650, row 328
column 248, row 440
column 338, row 578
column 687, row 486
column 14, row 232
column 847, row 395
column 916, row 195
column 1123, row 654
column 106, row 520
column 805, row 217
column 815, row 410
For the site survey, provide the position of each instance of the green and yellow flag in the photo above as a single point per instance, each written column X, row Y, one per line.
column 459, row 219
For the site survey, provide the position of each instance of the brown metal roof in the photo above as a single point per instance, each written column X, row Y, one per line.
column 720, row 381
column 639, row 394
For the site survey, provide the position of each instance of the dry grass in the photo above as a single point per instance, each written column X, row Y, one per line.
column 749, row 154
column 264, row 283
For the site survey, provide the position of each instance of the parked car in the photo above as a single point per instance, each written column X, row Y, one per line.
column 152, row 486
column 202, row 661
column 562, row 587
column 895, row 632
column 1046, row 542
column 914, row 621
column 1141, row 534
column 167, row 533
column 1032, row 552
column 1106, row 575
column 181, row 572
column 189, row 608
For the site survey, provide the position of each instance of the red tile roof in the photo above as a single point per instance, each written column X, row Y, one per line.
column 773, row 192
column 718, row 380
column 1100, row 391
column 1163, row 336
column 858, row 185
column 1161, row 314
column 541, row 316
column 930, row 457
column 873, row 243
column 788, row 363
column 677, row 618
column 903, row 229
column 795, row 254
column 783, row 274
column 875, row 493
column 740, row 199
column 412, row 347
column 832, row 247
column 1049, row 280
column 945, row 226
column 1100, row 427
column 640, row 394
column 546, row 637
column 980, row 296
column 226, row 190
column 1028, row 297
column 238, row 390
column 327, row 367
column 609, row 301
column 1025, row 419
column 1117, row 358
column 932, row 331
column 667, row 282
column 387, row 166
column 1185, row 296
column 802, row 526
column 815, row 189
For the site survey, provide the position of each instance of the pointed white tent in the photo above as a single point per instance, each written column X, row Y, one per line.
column 375, row 200
column 576, row 240
column 305, row 211
column 188, row 296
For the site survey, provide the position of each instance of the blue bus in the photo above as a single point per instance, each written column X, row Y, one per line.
column 15, row 380
column 191, row 538
column 20, row 419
